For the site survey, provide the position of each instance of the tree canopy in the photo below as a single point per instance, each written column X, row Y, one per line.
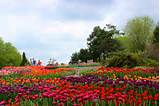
column 84, row 55
column 9, row 55
column 101, row 41
column 139, row 31
column 74, row 58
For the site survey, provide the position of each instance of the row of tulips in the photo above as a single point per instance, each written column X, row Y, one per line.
column 32, row 70
column 154, row 70
column 133, row 73
column 43, row 72
column 86, row 80
column 95, row 80
column 13, row 70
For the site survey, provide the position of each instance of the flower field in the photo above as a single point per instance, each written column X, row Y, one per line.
column 40, row 86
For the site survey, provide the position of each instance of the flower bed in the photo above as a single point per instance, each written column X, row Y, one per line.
column 104, row 87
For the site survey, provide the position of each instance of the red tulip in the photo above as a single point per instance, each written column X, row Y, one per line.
column 150, row 97
column 156, row 97
column 139, row 101
column 145, row 97
column 3, row 102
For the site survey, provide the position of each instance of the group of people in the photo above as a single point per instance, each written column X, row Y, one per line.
column 35, row 63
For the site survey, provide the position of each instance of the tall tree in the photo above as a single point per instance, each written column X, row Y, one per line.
column 74, row 58
column 24, row 60
column 139, row 31
column 101, row 42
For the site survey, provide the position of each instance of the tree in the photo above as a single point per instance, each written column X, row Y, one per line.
column 9, row 56
column 152, row 48
column 74, row 58
column 101, row 41
column 24, row 60
column 156, row 34
column 84, row 55
column 123, row 41
column 139, row 31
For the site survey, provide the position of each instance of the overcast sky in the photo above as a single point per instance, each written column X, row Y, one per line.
column 46, row 29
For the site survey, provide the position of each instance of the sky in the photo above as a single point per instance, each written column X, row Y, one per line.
column 46, row 29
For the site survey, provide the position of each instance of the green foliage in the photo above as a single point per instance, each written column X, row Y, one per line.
column 9, row 56
column 74, row 58
column 101, row 42
column 122, row 59
column 139, row 31
column 156, row 34
column 140, row 42
column 81, row 66
column 85, row 72
column 127, row 59
column 150, row 62
column 152, row 51
column 152, row 48
column 142, row 36
column 24, row 60
column 123, row 41
column 84, row 55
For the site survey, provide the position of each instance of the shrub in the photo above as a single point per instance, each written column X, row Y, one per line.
column 150, row 62
column 123, row 59
column 127, row 59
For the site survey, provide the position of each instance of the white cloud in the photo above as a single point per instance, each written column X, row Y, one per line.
column 50, row 4
column 52, row 32
column 76, row 29
column 124, row 10
column 13, row 24
column 33, row 3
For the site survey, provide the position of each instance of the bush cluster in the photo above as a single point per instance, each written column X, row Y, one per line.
column 127, row 59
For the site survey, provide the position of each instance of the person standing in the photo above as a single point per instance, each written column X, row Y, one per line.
column 39, row 63
column 34, row 62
